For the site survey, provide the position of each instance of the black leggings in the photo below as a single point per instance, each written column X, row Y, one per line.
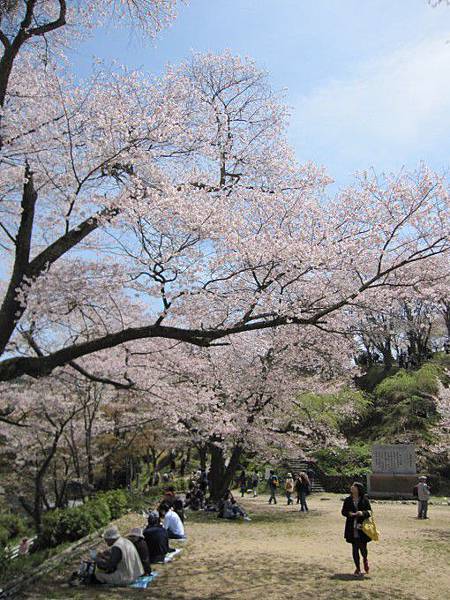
column 358, row 547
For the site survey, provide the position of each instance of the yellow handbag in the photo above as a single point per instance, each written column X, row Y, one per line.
column 369, row 527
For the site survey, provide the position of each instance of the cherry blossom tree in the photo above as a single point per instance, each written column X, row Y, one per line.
column 242, row 399
column 174, row 208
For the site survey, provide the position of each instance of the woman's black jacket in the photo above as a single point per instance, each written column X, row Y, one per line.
column 348, row 507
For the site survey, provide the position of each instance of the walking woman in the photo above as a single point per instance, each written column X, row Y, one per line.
column 356, row 509
column 289, row 488
column 303, row 490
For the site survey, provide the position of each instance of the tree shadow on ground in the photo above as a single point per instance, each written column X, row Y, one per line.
column 349, row 577
column 437, row 535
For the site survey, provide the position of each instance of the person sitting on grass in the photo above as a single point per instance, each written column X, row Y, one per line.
column 140, row 544
column 171, row 499
column 230, row 509
column 195, row 498
column 120, row 563
column 157, row 539
column 172, row 522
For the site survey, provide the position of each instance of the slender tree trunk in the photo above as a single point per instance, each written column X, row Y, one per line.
column 202, row 455
column 38, row 502
column 388, row 359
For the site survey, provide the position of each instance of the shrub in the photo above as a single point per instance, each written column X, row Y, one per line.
column 117, row 501
column 11, row 525
column 70, row 524
column 353, row 461
column 136, row 501
column 407, row 384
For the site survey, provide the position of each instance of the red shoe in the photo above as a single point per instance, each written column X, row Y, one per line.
column 366, row 565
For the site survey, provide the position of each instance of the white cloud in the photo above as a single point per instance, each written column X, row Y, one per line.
column 394, row 109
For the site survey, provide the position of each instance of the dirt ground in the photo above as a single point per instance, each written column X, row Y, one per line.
column 283, row 554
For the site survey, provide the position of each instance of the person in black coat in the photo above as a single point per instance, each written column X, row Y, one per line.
column 356, row 509
column 157, row 539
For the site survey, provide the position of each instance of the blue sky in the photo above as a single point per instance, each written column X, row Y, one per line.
column 368, row 81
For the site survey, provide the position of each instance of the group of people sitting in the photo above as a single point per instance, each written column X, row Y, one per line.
column 195, row 497
column 127, row 558
column 228, row 508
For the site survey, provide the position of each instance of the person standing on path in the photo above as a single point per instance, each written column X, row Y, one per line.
column 242, row 483
column 356, row 509
column 303, row 489
column 289, row 488
column 273, row 484
column 255, row 483
column 423, row 494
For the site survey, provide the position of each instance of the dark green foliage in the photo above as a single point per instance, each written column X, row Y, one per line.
column 70, row 524
column 404, row 403
column 349, row 462
column 405, row 384
column 11, row 525
column 373, row 376
column 117, row 501
column 10, row 569
column 137, row 502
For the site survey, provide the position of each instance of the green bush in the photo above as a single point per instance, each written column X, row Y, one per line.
column 352, row 461
column 11, row 525
column 117, row 501
column 136, row 501
column 70, row 524
column 4, row 536
column 406, row 384
column 179, row 484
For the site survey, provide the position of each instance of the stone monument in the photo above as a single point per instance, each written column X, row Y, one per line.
column 393, row 471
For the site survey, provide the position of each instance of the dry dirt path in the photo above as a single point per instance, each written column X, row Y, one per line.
column 283, row 554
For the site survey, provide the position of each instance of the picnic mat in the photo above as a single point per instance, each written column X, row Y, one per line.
column 144, row 581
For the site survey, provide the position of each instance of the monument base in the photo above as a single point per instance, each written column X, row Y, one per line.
column 386, row 485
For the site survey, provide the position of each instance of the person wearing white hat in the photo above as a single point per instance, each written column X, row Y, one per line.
column 136, row 536
column 121, row 565
column 423, row 494
column 289, row 488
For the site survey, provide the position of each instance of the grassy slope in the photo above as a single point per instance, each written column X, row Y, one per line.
column 282, row 554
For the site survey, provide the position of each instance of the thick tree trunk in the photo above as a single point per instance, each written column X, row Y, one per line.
column 221, row 474
column 216, row 472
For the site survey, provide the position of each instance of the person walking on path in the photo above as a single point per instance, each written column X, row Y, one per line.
column 242, row 483
column 273, row 484
column 356, row 509
column 303, row 489
column 289, row 488
column 255, row 483
column 423, row 494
